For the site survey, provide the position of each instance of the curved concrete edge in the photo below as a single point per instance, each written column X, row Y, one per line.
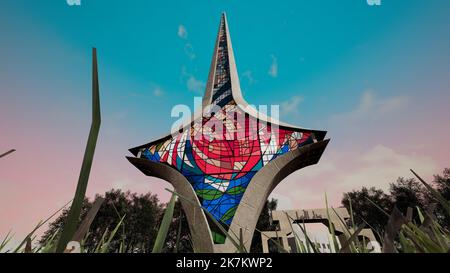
column 198, row 225
column 260, row 187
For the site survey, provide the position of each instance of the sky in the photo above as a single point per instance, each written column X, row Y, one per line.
column 375, row 77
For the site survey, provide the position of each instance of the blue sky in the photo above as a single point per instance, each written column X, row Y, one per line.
column 375, row 77
column 326, row 51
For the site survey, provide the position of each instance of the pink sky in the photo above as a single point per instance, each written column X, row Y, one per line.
column 42, row 174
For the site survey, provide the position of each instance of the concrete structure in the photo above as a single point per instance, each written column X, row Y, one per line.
column 286, row 221
column 228, row 157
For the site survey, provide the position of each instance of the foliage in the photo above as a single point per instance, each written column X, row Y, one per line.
column 140, row 225
column 164, row 227
column 179, row 228
column 364, row 211
column 442, row 185
column 403, row 194
column 264, row 223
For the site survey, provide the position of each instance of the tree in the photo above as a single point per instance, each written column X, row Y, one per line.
column 364, row 211
column 264, row 224
column 404, row 193
column 142, row 217
column 442, row 185
column 408, row 193
column 184, row 236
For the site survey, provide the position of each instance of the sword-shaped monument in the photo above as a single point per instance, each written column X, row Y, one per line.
column 228, row 158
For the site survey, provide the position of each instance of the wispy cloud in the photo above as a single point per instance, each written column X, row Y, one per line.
column 291, row 107
column 195, row 85
column 158, row 92
column 273, row 70
column 338, row 173
column 188, row 48
column 182, row 32
column 372, row 107
column 249, row 76
column 73, row 2
column 189, row 51
column 192, row 83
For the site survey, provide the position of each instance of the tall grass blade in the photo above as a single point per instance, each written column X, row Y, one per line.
column 48, row 246
column 308, row 240
column 105, row 246
column 40, row 224
column 378, row 207
column 395, row 222
column 28, row 247
column 444, row 202
column 177, row 241
column 75, row 209
column 102, row 241
column 5, row 240
column 331, row 226
column 165, row 224
column 419, row 212
column 86, row 224
column 352, row 238
column 7, row 153
column 342, row 223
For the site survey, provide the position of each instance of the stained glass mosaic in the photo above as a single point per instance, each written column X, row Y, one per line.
column 220, row 164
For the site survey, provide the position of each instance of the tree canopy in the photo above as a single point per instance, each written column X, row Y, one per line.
column 368, row 204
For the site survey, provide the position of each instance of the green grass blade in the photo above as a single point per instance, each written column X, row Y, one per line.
column 5, row 240
column 165, row 224
column 177, row 241
column 48, row 245
column 421, row 217
column 393, row 227
column 352, row 238
column 85, row 225
column 378, row 207
column 105, row 246
column 342, row 223
column 102, row 241
column 75, row 209
column 40, row 224
column 308, row 240
column 406, row 245
column 444, row 202
column 331, row 227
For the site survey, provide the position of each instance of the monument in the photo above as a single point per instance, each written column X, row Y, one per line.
column 286, row 222
column 228, row 157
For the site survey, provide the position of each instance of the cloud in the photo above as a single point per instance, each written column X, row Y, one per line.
column 189, row 51
column 273, row 70
column 195, row 85
column 372, row 107
column 192, row 83
column 182, row 32
column 158, row 92
column 249, row 76
column 284, row 203
column 188, row 48
column 382, row 165
column 291, row 106
column 73, row 2
column 336, row 174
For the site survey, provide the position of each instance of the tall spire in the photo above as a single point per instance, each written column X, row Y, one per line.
column 223, row 82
